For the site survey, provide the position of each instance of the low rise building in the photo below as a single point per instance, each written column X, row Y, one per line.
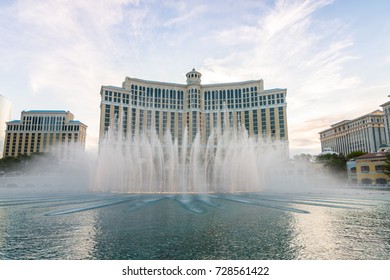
column 369, row 169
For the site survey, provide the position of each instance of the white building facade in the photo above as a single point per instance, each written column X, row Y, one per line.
column 140, row 106
column 366, row 133
column 386, row 119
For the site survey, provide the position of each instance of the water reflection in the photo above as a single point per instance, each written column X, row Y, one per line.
column 241, row 226
column 328, row 233
column 26, row 233
column 315, row 234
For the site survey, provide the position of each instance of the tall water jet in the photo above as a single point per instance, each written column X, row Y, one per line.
column 229, row 162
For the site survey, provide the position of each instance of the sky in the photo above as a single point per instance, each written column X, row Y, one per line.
column 333, row 57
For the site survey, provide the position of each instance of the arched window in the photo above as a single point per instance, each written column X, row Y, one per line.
column 366, row 181
column 381, row 181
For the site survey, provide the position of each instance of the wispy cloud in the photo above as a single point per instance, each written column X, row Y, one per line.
column 68, row 49
column 185, row 16
column 289, row 47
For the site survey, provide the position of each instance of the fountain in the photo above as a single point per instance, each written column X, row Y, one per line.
column 229, row 162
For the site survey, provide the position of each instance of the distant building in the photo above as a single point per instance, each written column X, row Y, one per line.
column 44, row 131
column 140, row 106
column 5, row 116
column 386, row 118
column 366, row 133
column 369, row 169
column 327, row 151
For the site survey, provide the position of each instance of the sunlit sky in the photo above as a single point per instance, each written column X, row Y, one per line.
column 332, row 56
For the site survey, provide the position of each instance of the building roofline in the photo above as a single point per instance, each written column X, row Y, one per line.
column 185, row 85
column 114, row 87
column 77, row 122
column 232, row 83
column 373, row 113
column 156, row 82
column 385, row 104
column 45, row 111
column 372, row 155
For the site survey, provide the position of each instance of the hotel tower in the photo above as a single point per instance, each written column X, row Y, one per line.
column 140, row 106
column 42, row 131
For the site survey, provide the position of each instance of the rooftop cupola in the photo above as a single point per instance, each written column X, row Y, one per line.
column 193, row 77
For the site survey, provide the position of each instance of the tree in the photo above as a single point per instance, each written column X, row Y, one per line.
column 386, row 165
column 354, row 154
column 303, row 157
column 335, row 163
column 36, row 163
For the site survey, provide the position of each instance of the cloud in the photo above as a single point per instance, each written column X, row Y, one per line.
column 67, row 49
column 290, row 48
column 186, row 16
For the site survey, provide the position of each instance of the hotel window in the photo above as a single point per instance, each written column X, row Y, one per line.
column 246, row 122
column 272, row 122
column 165, row 120
column 263, row 122
column 124, row 127
column 230, row 120
column 157, row 120
column 365, row 169
column 180, row 127
column 379, row 168
column 215, row 121
column 281, row 122
column 141, row 120
column 149, row 120
column 194, row 127
column 207, row 125
column 222, row 121
column 255, row 123
column 133, row 120
column 173, row 126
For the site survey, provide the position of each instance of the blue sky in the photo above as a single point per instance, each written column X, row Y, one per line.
column 332, row 56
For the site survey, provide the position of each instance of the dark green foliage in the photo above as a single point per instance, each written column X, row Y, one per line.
column 334, row 163
column 354, row 154
column 386, row 165
column 303, row 157
column 37, row 163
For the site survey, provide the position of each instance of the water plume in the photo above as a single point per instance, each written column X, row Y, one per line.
column 229, row 161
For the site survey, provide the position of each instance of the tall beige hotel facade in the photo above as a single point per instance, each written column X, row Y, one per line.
column 141, row 105
column 43, row 131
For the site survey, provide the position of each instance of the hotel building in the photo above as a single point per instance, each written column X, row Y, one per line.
column 365, row 133
column 140, row 106
column 44, row 131
column 386, row 118
column 5, row 116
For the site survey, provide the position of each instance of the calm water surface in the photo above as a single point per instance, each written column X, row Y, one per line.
column 347, row 224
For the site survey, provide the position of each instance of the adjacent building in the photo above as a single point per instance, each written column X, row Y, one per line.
column 369, row 169
column 386, row 118
column 366, row 133
column 140, row 106
column 5, row 116
column 44, row 131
